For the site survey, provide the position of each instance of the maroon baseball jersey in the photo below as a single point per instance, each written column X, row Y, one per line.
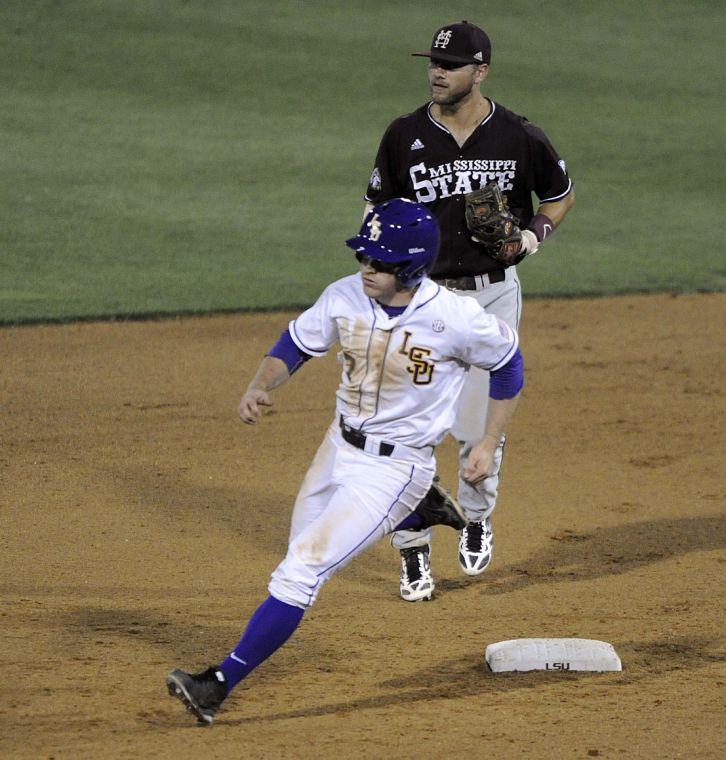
column 419, row 159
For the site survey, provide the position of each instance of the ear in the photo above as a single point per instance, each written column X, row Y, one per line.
column 481, row 73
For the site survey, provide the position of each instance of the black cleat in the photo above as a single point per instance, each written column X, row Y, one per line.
column 439, row 507
column 202, row 693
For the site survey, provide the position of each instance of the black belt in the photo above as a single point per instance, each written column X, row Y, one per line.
column 471, row 283
column 358, row 439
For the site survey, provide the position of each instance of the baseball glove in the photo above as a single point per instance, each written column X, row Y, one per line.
column 492, row 224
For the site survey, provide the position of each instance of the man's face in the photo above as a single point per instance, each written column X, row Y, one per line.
column 381, row 285
column 452, row 82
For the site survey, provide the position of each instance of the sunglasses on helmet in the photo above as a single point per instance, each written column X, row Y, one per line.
column 380, row 266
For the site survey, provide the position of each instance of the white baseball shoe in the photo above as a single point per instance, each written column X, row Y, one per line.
column 475, row 547
column 417, row 583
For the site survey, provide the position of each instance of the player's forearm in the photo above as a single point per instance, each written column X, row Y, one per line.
column 558, row 210
column 271, row 373
column 549, row 215
column 481, row 461
column 499, row 413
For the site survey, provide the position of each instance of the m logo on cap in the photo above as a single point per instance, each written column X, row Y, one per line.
column 443, row 39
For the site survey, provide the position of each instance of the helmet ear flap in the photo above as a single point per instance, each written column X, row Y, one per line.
column 410, row 276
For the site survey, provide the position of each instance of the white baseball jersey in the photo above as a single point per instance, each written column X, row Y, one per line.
column 402, row 375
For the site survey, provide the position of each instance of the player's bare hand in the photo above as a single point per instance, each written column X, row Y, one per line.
column 249, row 407
column 480, row 463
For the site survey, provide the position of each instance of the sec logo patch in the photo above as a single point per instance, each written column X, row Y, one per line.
column 438, row 326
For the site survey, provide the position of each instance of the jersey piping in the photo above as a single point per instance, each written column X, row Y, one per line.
column 380, row 380
column 368, row 360
column 561, row 195
column 438, row 290
column 302, row 345
column 481, row 123
column 507, row 356
column 360, row 543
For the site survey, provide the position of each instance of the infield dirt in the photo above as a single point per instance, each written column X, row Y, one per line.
column 140, row 521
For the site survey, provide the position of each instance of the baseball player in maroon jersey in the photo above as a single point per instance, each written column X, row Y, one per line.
column 458, row 142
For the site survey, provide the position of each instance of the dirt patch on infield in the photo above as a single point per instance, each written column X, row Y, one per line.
column 140, row 522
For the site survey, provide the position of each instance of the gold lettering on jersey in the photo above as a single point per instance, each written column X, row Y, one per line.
column 420, row 367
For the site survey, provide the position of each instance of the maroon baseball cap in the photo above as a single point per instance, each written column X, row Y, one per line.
column 460, row 43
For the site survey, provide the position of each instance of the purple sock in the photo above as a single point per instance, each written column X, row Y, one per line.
column 269, row 628
column 410, row 522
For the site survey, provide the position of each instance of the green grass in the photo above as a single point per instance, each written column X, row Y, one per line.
column 169, row 156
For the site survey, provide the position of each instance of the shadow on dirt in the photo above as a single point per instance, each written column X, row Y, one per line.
column 178, row 637
column 243, row 509
column 452, row 678
column 570, row 557
column 457, row 678
column 608, row 551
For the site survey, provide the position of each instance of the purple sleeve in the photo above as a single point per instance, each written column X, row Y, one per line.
column 507, row 381
column 286, row 350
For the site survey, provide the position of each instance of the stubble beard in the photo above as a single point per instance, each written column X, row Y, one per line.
column 450, row 99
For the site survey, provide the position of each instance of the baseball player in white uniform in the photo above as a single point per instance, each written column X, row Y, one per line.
column 406, row 345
